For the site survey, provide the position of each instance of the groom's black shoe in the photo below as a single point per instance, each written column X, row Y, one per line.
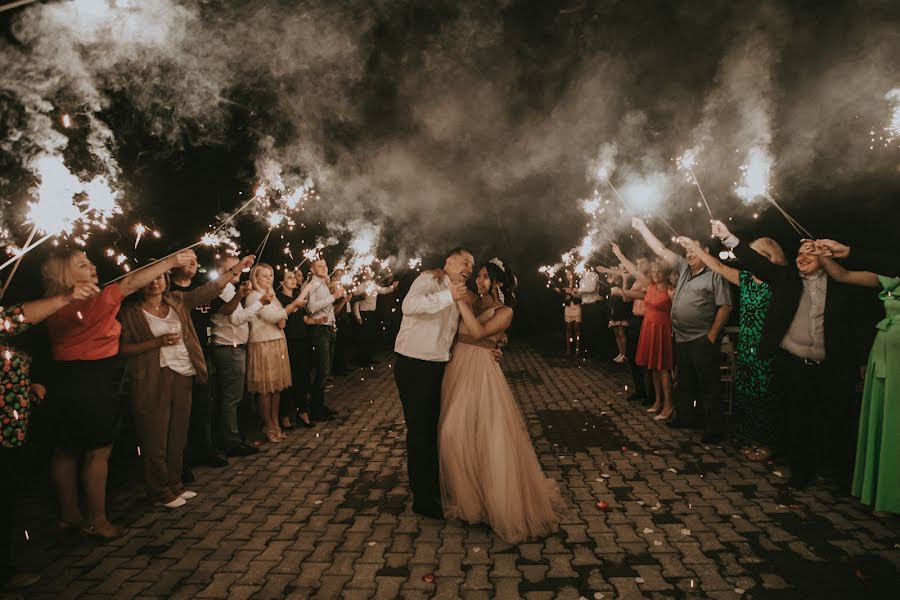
column 433, row 511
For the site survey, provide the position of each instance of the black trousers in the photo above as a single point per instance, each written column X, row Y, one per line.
column 595, row 330
column 367, row 338
column 11, row 474
column 343, row 343
column 699, row 384
column 321, row 348
column 638, row 374
column 199, row 442
column 419, row 385
column 818, row 416
column 296, row 398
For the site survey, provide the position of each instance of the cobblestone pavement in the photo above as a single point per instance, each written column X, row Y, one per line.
column 326, row 515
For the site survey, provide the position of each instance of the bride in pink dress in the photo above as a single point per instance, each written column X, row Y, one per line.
column 489, row 470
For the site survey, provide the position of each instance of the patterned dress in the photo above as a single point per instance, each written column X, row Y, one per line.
column 15, row 379
column 876, row 478
column 753, row 403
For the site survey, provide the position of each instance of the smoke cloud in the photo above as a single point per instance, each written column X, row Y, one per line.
column 426, row 124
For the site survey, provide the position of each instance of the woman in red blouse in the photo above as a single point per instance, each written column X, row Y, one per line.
column 82, row 410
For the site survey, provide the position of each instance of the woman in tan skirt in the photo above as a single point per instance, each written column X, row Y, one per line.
column 268, row 367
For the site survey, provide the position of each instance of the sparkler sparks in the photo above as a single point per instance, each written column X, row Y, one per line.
column 415, row 263
column 892, row 131
column 755, row 175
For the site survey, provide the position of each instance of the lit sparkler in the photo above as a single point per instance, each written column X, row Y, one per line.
column 755, row 184
column 686, row 163
column 415, row 263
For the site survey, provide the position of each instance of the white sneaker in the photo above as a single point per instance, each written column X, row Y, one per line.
column 188, row 494
column 176, row 503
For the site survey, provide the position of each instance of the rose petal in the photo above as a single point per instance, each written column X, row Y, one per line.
column 647, row 530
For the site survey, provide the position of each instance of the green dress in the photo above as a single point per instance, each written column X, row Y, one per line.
column 876, row 478
column 753, row 398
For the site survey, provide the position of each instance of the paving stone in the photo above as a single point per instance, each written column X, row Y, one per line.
column 328, row 515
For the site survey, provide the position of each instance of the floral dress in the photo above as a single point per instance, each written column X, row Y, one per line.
column 15, row 380
column 754, row 402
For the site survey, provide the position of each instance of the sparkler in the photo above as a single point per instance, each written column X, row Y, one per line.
column 892, row 131
column 415, row 263
column 686, row 162
column 18, row 262
column 755, row 184
column 209, row 238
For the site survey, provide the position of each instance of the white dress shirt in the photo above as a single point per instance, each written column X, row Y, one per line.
column 589, row 288
column 320, row 301
column 430, row 320
column 232, row 330
column 370, row 302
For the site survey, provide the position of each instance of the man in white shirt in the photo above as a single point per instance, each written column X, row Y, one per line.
column 430, row 321
column 228, row 339
column 366, row 319
column 323, row 293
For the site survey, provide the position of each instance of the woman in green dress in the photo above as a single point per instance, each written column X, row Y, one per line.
column 876, row 476
column 753, row 400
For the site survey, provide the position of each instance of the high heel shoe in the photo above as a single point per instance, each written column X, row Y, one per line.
column 286, row 424
column 662, row 417
column 271, row 435
column 281, row 435
column 653, row 409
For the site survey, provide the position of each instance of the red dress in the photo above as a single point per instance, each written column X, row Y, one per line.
column 654, row 349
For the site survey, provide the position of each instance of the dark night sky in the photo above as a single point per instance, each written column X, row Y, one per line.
column 467, row 122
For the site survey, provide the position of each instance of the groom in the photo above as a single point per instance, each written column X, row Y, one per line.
column 430, row 320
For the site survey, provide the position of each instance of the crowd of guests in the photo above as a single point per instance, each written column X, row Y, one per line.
column 804, row 336
column 192, row 350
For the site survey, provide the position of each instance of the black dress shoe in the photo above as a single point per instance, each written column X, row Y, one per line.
column 799, row 482
column 676, row 424
column 241, row 450
column 432, row 511
column 321, row 417
column 211, row 460
column 711, row 438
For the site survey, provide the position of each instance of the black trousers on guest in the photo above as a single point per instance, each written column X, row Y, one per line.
column 699, row 384
column 638, row 374
column 199, row 441
column 367, row 338
column 594, row 329
column 296, row 398
column 11, row 474
column 818, row 416
column 419, row 385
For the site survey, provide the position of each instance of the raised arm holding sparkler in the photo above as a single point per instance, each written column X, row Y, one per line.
column 653, row 242
column 632, row 269
column 715, row 265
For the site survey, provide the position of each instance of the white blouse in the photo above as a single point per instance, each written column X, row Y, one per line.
column 175, row 357
column 264, row 323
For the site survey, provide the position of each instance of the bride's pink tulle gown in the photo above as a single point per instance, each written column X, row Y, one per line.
column 489, row 470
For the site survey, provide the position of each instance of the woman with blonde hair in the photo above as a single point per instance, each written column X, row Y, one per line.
column 165, row 358
column 268, row 366
column 754, row 402
column 81, row 408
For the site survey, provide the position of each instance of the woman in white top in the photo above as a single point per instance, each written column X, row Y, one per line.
column 164, row 357
column 268, row 367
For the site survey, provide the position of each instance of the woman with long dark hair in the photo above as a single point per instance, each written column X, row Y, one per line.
column 488, row 467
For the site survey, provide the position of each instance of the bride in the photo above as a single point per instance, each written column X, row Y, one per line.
column 489, row 470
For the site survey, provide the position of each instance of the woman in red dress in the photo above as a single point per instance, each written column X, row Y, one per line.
column 654, row 350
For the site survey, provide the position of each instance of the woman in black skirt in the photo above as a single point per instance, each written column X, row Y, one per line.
column 82, row 409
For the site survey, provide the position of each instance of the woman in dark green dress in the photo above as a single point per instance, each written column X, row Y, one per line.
column 754, row 405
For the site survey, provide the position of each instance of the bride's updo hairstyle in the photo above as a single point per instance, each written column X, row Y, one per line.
column 504, row 280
